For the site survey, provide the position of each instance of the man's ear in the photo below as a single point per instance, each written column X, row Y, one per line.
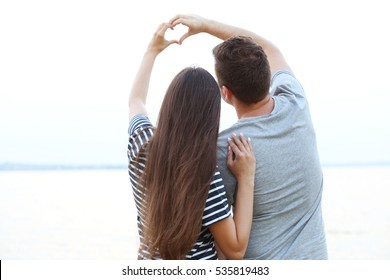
column 227, row 94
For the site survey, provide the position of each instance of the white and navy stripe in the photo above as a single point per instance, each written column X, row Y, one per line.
column 216, row 206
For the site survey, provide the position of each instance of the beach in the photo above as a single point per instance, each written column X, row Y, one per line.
column 90, row 214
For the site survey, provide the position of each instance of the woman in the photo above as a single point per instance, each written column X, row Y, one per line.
column 180, row 198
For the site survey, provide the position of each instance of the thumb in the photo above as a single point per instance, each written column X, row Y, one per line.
column 185, row 36
column 170, row 42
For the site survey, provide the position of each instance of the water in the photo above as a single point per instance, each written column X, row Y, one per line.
column 357, row 212
column 66, row 215
column 89, row 214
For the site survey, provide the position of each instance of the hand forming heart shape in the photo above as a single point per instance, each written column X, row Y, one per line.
column 177, row 32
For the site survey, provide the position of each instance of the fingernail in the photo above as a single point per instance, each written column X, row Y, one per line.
column 229, row 139
column 234, row 134
column 249, row 139
column 241, row 134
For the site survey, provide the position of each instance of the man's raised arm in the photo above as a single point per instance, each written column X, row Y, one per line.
column 197, row 24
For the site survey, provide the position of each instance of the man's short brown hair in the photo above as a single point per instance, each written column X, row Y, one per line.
column 242, row 66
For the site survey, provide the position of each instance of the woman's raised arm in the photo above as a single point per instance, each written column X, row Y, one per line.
column 139, row 91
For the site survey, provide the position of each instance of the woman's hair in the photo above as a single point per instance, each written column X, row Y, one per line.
column 181, row 161
column 242, row 66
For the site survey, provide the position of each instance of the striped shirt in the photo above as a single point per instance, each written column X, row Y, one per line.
column 216, row 206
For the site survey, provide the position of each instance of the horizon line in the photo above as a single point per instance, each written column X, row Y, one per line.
column 10, row 166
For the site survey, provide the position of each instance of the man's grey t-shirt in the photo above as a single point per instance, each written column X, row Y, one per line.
column 287, row 217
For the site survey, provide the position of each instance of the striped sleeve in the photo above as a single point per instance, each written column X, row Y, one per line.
column 216, row 208
column 140, row 132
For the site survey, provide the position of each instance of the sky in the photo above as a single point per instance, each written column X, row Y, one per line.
column 66, row 69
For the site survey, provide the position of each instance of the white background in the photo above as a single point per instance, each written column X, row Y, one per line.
column 66, row 68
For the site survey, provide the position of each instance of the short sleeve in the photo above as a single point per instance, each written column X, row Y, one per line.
column 140, row 133
column 284, row 83
column 216, row 208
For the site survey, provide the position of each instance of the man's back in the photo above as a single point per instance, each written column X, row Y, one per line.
column 287, row 217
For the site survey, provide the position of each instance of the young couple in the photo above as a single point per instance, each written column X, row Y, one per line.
column 185, row 175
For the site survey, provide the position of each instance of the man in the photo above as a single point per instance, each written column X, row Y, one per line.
column 272, row 110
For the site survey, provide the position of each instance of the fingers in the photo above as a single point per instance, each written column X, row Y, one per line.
column 230, row 156
column 178, row 19
column 247, row 143
column 233, row 146
column 191, row 21
column 185, row 20
column 185, row 36
column 162, row 28
column 159, row 40
column 241, row 160
column 240, row 145
column 250, row 145
column 240, row 140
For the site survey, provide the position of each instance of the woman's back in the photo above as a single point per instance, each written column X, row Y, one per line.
column 216, row 207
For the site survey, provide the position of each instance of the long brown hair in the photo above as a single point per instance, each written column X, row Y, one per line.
column 181, row 161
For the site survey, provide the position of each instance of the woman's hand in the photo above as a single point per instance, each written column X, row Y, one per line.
column 241, row 160
column 158, row 42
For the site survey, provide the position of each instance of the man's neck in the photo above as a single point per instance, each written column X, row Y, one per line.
column 261, row 108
